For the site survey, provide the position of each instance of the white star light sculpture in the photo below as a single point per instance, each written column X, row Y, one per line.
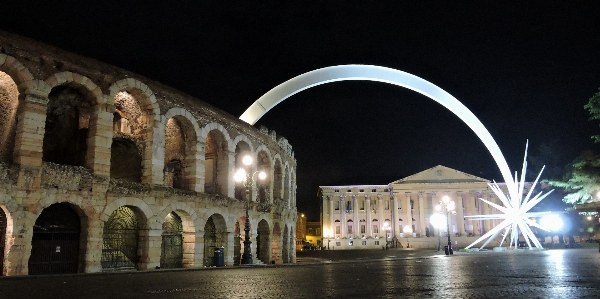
column 516, row 212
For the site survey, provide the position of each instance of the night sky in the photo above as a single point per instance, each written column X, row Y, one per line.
column 524, row 69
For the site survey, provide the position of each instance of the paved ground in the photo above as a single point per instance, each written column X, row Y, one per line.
column 571, row 273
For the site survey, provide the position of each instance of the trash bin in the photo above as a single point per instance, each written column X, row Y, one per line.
column 219, row 257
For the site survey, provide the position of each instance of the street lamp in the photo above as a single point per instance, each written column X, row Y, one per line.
column 438, row 220
column 386, row 227
column 247, row 177
column 447, row 206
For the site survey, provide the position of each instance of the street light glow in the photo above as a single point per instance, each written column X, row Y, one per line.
column 262, row 175
column 247, row 160
column 239, row 175
column 551, row 222
column 438, row 220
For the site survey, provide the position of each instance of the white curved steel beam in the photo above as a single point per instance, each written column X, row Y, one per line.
column 379, row 74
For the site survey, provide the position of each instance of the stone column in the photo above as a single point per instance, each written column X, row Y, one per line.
column 368, row 211
column 100, row 140
column 474, row 211
column 356, row 232
column 93, row 254
column 381, row 216
column 331, row 218
column 421, row 215
column 460, row 219
column 154, row 247
column 343, row 216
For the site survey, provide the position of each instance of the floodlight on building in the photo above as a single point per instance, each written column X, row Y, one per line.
column 551, row 222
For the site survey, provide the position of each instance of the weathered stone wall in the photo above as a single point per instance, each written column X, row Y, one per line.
column 72, row 128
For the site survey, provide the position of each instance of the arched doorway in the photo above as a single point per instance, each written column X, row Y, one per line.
column 276, row 244
column 3, row 224
column 262, row 242
column 285, row 251
column 55, row 241
column 215, row 236
column 120, row 240
column 171, row 254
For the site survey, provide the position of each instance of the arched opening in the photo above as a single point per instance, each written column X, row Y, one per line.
column 171, row 253
column 276, row 245
column 126, row 160
column 241, row 150
column 3, row 225
column 56, row 241
column 132, row 121
column 215, row 163
column 262, row 242
column 67, row 126
column 9, row 102
column 215, row 236
column 263, row 164
column 285, row 251
column 121, row 238
column 286, row 186
column 180, row 141
column 277, row 180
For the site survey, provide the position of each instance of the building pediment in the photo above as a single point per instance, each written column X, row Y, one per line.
column 440, row 174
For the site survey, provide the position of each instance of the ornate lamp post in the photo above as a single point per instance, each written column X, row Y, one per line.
column 447, row 206
column 386, row 228
column 247, row 177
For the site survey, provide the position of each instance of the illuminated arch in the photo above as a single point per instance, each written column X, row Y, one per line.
column 379, row 74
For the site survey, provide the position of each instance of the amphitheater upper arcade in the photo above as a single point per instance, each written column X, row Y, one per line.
column 134, row 163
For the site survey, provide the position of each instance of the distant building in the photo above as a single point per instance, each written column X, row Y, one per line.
column 313, row 233
column 300, row 231
column 355, row 216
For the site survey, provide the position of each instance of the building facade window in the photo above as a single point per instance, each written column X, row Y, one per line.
column 362, row 205
column 375, row 229
column 362, row 228
column 337, row 229
column 376, row 242
column 337, row 205
column 351, row 243
column 387, row 204
column 310, row 231
column 364, row 242
column 349, row 228
column 338, row 243
column 318, row 232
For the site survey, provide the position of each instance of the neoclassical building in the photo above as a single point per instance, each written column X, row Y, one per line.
column 368, row 216
column 102, row 169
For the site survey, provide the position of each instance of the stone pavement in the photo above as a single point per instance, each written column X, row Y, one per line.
column 566, row 273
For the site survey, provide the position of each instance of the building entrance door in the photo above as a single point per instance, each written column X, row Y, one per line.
column 55, row 242
column 172, row 242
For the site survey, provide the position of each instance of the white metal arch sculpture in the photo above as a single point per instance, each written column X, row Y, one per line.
column 359, row 72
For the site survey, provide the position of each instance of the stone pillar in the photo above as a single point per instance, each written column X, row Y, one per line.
column 356, row 232
column 472, row 209
column 200, row 167
column 460, row 219
column 381, row 216
column 407, row 213
column 154, row 248
column 189, row 249
column 368, row 211
column 343, row 216
column 230, row 183
column 331, row 218
column 93, row 252
column 199, row 252
column 421, row 215
column 100, row 140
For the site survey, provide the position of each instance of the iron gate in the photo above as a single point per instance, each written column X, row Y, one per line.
column 55, row 242
column 172, row 242
column 120, row 240
column 2, row 239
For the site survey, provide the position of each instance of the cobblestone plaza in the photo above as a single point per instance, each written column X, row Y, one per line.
column 571, row 273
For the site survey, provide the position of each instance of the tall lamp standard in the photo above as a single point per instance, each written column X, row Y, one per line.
column 386, row 228
column 247, row 178
column 447, row 206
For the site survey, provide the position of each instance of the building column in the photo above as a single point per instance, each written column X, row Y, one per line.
column 356, row 223
column 460, row 214
column 343, row 216
column 421, row 228
column 407, row 213
column 381, row 217
column 472, row 210
column 368, row 212
column 486, row 211
column 331, row 218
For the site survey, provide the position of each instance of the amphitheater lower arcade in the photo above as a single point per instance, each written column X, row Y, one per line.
column 103, row 170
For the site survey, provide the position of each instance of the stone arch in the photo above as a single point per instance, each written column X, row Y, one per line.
column 9, row 103
column 71, row 118
column 216, row 162
column 58, row 244
column 262, row 241
column 385, row 75
column 264, row 162
column 188, row 234
column 242, row 148
column 18, row 72
column 181, row 150
column 276, row 244
column 125, row 239
column 278, row 179
column 215, row 236
column 6, row 240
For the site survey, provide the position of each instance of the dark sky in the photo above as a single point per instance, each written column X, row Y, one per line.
column 524, row 69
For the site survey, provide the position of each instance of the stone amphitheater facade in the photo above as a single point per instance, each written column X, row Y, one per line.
column 102, row 169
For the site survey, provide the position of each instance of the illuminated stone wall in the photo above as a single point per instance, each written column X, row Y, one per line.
column 96, row 138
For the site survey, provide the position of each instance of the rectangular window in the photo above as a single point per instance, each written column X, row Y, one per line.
column 375, row 229
column 338, row 243
column 361, row 190
column 399, row 204
column 336, row 190
column 362, row 228
column 349, row 190
column 337, row 229
column 387, row 204
column 362, row 205
column 318, row 232
column 310, row 231
column 349, row 228
column 373, row 190
column 364, row 242
column 376, row 242
column 374, row 204
column 350, row 243
column 337, row 205
column 385, row 190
